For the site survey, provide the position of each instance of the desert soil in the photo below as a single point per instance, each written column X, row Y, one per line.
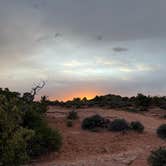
column 85, row 148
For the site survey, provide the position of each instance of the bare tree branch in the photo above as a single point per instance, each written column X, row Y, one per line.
column 37, row 89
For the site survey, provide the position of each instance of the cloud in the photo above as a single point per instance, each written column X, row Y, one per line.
column 120, row 49
column 140, row 68
column 48, row 37
column 69, row 42
column 43, row 38
column 99, row 37
column 57, row 35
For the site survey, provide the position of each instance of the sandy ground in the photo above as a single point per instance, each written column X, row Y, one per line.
column 84, row 148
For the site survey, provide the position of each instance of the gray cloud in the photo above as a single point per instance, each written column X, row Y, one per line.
column 74, row 45
column 120, row 49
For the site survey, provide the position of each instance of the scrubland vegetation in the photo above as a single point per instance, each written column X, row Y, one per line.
column 158, row 157
column 161, row 131
column 117, row 125
column 132, row 104
column 137, row 126
column 72, row 115
column 95, row 121
column 24, row 133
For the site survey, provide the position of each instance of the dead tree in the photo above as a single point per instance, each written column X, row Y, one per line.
column 29, row 97
column 37, row 89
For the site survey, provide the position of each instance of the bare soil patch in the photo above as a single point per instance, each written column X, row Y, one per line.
column 85, row 148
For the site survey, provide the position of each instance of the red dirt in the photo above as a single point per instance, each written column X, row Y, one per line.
column 103, row 148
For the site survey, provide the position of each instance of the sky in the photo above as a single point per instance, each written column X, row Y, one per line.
column 83, row 47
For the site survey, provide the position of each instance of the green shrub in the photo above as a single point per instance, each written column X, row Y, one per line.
column 163, row 106
column 69, row 123
column 119, row 125
column 72, row 115
column 142, row 108
column 161, row 131
column 23, row 131
column 95, row 121
column 13, row 139
column 14, row 152
column 138, row 109
column 137, row 126
column 33, row 120
column 95, row 130
column 133, row 110
column 142, row 100
column 158, row 157
column 52, row 138
column 44, row 140
column 163, row 116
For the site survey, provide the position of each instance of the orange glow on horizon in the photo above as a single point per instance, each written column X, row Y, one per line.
column 88, row 95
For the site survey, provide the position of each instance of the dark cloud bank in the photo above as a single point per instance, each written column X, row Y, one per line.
column 99, row 46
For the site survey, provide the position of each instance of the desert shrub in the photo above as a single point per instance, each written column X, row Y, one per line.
column 133, row 110
column 44, row 140
column 95, row 130
column 137, row 126
column 163, row 106
column 119, row 125
column 111, row 101
column 69, row 123
column 158, row 157
column 161, row 131
column 33, row 119
column 72, row 115
column 52, row 138
column 142, row 100
column 142, row 108
column 14, row 152
column 23, row 131
column 13, row 138
column 94, row 121
column 163, row 116
column 44, row 102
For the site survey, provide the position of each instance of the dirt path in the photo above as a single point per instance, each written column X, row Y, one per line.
column 83, row 148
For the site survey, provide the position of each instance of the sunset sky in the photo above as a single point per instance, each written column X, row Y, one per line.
column 83, row 47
